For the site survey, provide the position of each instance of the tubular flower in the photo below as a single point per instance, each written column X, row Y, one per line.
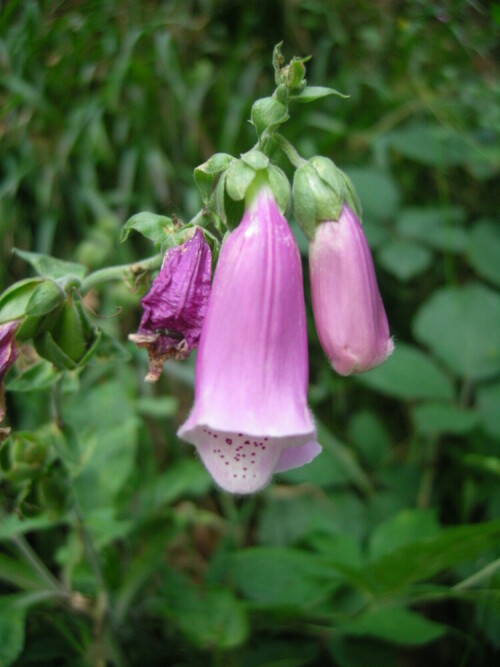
column 348, row 310
column 175, row 306
column 8, row 354
column 250, row 416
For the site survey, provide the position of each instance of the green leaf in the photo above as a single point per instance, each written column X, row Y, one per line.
column 488, row 464
column 488, row 405
column 50, row 267
column 313, row 93
column 183, row 478
column 238, row 179
column 15, row 572
column 362, row 652
column 461, row 325
column 12, row 619
column 157, row 228
column 40, row 376
column 423, row 559
column 212, row 618
column 483, row 251
column 12, row 525
column 433, row 145
column 274, row 577
column 377, row 191
column 409, row 525
column 394, row 624
column 409, row 374
column 46, row 297
column 268, row 113
column 437, row 418
column 403, row 259
column 206, row 174
column 157, row 407
column 436, row 227
column 370, row 436
column 14, row 301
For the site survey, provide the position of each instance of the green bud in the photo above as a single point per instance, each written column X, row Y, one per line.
column 296, row 72
column 70, row 338
column 320, row 189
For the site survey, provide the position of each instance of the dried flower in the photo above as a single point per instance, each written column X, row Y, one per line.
column 175, row 306
column 250, row 416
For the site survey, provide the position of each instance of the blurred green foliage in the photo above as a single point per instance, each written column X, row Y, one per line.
column 116, row 549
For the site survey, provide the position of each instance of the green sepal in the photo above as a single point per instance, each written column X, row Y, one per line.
column 239, row 176
column 229, row 210
column 206, row 174
column 280, row 185
column 320, row 189
column 255, row 159
column 46, row 297
column 15, row 299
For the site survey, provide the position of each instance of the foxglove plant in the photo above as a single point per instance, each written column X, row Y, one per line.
column 250, row 416
column 175, row 306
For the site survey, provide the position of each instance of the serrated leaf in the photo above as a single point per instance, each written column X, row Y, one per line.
column 51, row 267
column 157, row 228
column 313, row 93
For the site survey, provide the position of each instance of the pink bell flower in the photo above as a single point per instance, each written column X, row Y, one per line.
column 175, row 306
column 250, row 416
column 348, row 310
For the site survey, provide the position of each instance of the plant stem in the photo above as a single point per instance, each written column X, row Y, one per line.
column 289, row 150
column 38, row 566
column 476, row 578
column 117, row 272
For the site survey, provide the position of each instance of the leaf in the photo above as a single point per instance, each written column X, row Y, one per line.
column 394, row 624
column 12, row 525
column 436, row 227
column 370, row 436
column 408, row 374
column 403, row 259
column 438, row 418
column 377, row 191
column 409, row 525
column 276, row 577
column 313, row 93
column 483, row 251
column 15, row 572
column 156, row 228
column 183, row 478
column 12, row 619
column 157, row 407
column 40, row 376
column 268, row 113
column 433, row 145
column 423, row 559
column 461, row 326
column 212, row 618
column 51, row 267
column 488, row 405
column 14, row 301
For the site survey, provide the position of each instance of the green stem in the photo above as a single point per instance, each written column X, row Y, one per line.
column 38, row 566
column 117, row 272
column 289, row 150
column 485, row 573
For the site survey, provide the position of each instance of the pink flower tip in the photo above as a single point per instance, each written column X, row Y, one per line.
column 348, row 310
column 250, row 417
column 175, row 306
